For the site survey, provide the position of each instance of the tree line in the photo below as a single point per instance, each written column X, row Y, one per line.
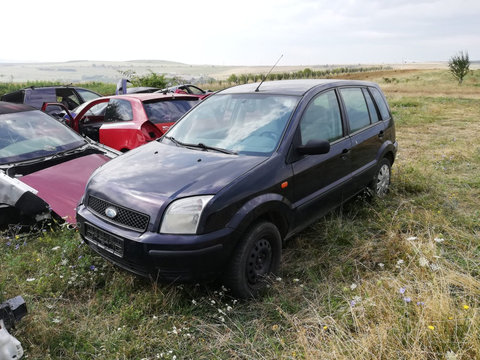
column 306, row 73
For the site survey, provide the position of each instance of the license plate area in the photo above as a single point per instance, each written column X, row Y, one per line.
column 104, row 240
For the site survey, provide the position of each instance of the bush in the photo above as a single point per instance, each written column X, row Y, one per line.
column 459, row 66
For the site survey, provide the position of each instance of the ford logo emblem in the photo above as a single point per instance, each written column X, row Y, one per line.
column 111, row 212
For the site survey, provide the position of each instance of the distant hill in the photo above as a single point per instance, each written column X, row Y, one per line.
column 77, row 71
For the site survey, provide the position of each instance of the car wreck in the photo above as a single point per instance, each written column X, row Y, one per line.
column 44, row 166
column 124, row 122
column 11, row 312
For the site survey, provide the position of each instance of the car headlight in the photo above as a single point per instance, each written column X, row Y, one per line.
column 182, row 215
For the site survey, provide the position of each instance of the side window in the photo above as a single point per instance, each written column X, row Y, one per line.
column 68, row 98
column 382, row 106
column 118, row 110
column 87, row 95
column 356, row 107
column 322, row 120
column 194, row 90
column 371, row 106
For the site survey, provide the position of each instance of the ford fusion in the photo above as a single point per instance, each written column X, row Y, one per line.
column 239, row 174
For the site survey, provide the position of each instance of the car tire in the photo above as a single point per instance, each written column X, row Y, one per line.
column 256, row 257
column 380, row 185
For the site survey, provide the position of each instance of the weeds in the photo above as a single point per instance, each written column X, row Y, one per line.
column 396, row 278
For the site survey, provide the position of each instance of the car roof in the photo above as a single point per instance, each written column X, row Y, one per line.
column 33, row 87
column 291, row 87
column 8, row 107
column 154, row 96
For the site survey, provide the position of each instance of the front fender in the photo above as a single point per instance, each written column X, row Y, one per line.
column 274, row 207
column 16, row 194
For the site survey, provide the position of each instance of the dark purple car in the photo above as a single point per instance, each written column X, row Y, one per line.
column 242, row 172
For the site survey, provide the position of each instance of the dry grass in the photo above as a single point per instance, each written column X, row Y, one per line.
column 389, row 279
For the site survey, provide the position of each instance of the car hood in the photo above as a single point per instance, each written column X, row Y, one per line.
column 145, row 178
column 62, row 185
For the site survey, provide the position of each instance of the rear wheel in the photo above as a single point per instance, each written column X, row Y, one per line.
column 381, row 182
column 256, row 257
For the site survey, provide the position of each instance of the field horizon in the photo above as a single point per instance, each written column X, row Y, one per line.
column 79, row 71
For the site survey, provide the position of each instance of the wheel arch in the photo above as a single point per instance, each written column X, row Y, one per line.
column 273, row 208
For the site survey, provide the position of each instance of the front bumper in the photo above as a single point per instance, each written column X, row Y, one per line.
column 162, row 257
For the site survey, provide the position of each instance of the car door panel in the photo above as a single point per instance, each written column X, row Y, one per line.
column 366, row 133
column 320, row 182
column 365, row 146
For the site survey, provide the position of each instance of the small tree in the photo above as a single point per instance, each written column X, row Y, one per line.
column 232, row 79
column 459, row 66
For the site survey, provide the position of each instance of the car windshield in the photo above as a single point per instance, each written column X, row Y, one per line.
column 33, row 134
column 242, row 123
column 167, row 111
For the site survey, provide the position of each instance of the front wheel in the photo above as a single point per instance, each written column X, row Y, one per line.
column 381, row 182
column 256, row 257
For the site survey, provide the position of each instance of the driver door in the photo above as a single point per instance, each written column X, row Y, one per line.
column 320, row 180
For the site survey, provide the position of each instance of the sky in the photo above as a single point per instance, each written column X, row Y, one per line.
column 247, row 32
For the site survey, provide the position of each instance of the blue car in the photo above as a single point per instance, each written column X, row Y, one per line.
column 245, row 170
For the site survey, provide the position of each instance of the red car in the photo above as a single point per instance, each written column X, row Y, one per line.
column 124, row 122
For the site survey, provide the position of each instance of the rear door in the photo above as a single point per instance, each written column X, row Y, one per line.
column 320, row 180
column 366, row 133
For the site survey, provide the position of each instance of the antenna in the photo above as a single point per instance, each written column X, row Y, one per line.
column 258, row 87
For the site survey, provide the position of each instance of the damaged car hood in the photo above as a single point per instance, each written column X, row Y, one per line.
column 62, row 186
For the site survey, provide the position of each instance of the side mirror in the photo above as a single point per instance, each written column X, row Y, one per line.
column 314, row 147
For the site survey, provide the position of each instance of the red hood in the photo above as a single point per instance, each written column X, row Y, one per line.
column 62, row 185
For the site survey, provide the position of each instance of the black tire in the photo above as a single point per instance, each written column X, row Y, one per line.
column 380, row 184
column 256, row 257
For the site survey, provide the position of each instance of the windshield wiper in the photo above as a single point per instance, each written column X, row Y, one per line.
column 207, row 147
column 70, row 151
column 172, row 139
column 200, row 146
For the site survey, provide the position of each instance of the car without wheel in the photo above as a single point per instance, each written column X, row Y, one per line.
column 124, row 122
column 69, row 96
column 44, row 166
column 242, row 172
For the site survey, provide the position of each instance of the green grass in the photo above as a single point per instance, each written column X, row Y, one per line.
column 388, row 279
column 99, row 87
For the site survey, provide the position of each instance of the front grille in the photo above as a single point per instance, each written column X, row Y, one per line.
column 104, row 240
column 126, row 217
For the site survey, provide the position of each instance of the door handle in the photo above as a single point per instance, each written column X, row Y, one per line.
column 381, row 134
column 345, row 152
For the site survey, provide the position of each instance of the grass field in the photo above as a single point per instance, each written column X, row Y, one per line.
column 397, row 278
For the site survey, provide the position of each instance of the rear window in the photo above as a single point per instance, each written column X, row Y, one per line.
column 160, row 112
column 356, row 107
column 16, row 97
column 118, row 110
column 36, row 97
column 382, row 106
